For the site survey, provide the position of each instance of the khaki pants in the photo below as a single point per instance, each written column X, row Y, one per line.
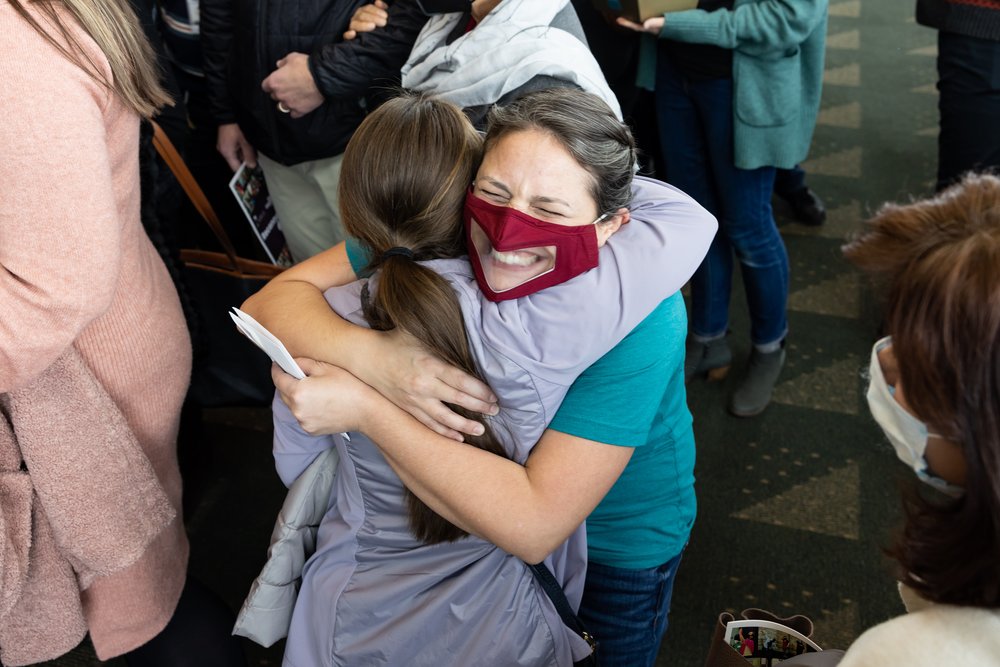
column 305, row 198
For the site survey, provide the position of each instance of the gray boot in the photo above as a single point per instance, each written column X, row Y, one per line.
column 754, row 392
column 712, row 358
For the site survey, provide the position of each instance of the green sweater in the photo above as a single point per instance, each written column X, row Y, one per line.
column 778, row 48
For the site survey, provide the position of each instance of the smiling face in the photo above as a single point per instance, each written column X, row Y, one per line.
column 532, row 172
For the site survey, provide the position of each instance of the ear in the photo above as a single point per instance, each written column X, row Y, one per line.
column 608, row 227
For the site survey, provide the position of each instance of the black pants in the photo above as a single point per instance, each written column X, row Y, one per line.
column 969, row 83
column 199, row 634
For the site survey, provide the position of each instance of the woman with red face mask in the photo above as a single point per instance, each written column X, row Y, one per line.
column 557, row 280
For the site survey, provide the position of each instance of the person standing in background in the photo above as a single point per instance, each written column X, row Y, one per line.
column 738, row 87
column 618, row 50
column 934, row 391
column 968, row 65
column 255, row 51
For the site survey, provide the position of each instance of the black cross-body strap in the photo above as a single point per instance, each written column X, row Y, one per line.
column 555, row 592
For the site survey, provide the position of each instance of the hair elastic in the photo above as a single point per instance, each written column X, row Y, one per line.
column 397, row 251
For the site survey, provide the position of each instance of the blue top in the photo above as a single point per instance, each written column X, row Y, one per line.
column 634, row 396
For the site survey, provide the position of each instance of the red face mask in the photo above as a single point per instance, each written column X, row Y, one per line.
column 514, row 254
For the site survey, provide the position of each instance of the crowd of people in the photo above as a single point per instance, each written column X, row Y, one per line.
column 490, row 244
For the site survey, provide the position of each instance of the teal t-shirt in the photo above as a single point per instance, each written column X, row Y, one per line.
column 358, row 255
column 634, row 396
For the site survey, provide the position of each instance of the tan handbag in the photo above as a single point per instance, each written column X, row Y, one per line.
column 232, row 371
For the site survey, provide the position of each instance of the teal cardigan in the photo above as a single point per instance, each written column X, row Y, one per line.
column 778, row 48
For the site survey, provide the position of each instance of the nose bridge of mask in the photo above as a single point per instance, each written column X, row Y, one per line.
column 511, row 229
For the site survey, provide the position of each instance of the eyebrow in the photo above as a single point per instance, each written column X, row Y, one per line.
column 541, row 199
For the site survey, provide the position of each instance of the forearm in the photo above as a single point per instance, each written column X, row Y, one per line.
column 484, row 494
column 766, row 25
column 527, row 510
column 293, row 308
column 345, row 70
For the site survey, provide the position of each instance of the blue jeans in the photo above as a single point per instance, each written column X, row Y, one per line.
column 626, row 610
column 696, row 132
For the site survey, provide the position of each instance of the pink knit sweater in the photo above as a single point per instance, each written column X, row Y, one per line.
column 76, row 268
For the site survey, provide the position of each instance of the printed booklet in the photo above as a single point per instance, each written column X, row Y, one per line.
column 250, row 189
column 764, row 643
column 266, row 341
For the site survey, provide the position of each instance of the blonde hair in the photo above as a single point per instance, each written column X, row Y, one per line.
column 135, row 76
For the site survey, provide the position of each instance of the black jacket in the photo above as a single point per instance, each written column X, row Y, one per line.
column 981, row 20
column 242, row 41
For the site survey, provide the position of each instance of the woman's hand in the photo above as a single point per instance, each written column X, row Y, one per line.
column 328, row 400
column 366, row 18
column 652, row 25
column 420, row 383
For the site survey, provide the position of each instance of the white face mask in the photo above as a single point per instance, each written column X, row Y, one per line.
column 907, row 434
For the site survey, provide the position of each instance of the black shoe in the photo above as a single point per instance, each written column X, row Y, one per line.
column 807, row 207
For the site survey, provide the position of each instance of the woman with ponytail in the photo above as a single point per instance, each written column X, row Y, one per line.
column 94, row 356
column 410, row 570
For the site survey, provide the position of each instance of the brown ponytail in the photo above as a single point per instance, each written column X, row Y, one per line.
column 403, row 183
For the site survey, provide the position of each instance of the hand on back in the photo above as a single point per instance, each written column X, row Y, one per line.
column 422, row 385
column 328, row 400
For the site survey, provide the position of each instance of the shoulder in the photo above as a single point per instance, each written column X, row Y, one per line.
column 40, row 74
column 656, row 342
column 938, row 635
column 568, row 20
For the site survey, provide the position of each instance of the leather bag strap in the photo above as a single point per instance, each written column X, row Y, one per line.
column 194, row 192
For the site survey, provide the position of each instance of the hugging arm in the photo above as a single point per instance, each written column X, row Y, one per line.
column 293, row 308
column 651, row 258
column 527, row 510
column 346, row 69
